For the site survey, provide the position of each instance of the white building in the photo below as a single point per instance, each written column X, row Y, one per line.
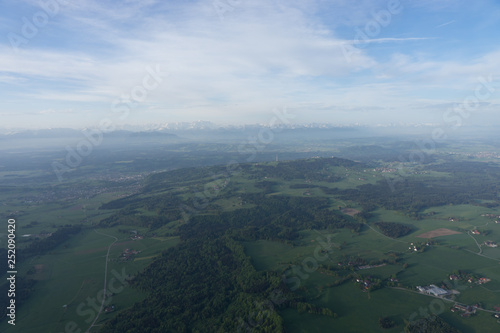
column 433, row 290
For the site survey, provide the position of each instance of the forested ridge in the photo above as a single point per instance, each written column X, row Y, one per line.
column 202, row 287
column 208, row 284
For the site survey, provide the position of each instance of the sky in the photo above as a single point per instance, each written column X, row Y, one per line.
column 84, row 63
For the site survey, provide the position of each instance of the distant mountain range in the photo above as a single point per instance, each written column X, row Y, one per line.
column 197, row 125
column 56, row 133
column 205, row 130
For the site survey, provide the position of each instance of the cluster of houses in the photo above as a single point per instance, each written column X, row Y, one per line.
column 383, row 170
column 413, row 247
column 136, row 237
column 367, row 283
column 467, row 310
column 491, row 215
column 490, row 244
column 470, row 278
column 128, row 254
column 418, row 247
column 481, row 280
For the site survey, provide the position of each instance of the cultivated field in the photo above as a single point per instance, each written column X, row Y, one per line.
column 438, row 232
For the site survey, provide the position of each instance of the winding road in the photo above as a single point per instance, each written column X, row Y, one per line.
column 479, row 246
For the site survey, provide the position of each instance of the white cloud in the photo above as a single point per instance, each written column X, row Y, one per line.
column 445, row 24
column 261, row 54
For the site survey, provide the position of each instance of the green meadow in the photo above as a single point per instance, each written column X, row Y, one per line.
column 70, row 279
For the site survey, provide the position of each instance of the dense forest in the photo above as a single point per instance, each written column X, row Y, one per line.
column 432, row 324
column 272, row 218
column 204, row 287
column 42, row 246
column 393, row 230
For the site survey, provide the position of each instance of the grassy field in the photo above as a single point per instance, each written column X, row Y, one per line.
column 73, row 275
column 433, row 266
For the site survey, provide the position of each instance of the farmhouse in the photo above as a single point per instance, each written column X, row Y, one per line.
column 490, row 244
column 483, row 280
column 136, row 237
column 109, row 309
column 128, row 254
column 476, row 232
column 468, row 310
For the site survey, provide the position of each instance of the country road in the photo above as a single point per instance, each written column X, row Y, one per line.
column 441, row 298
column 105, row 280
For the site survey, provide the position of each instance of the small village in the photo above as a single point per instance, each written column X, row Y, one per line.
column 469, row 278
column 418, row 247
column 433, row 290
column 465, row 310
